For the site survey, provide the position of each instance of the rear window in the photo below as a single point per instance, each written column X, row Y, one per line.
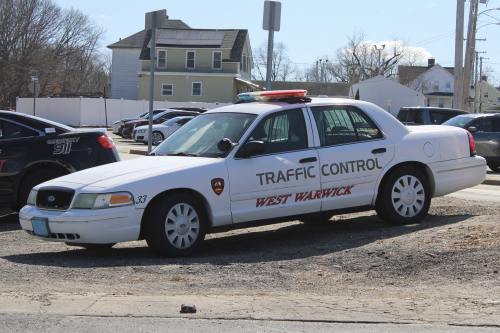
column 439, row 117
column 414, row 116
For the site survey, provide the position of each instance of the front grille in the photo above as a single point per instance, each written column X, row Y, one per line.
column 140, row 137
column 58, row 198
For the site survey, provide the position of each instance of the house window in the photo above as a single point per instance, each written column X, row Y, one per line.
column 448, row 86
column 498, row 100
column 486, row 95
column 436, row 85
column 161, row 59
column 167, row 89
column 190, row 59
column 244, row 63
column 196, row 89
column 217, row 60
column 441, row 102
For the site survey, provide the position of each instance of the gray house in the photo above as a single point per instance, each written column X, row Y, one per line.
column 126, row 63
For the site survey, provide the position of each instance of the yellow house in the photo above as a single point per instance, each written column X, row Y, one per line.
column 490, row 96
column 197, row 65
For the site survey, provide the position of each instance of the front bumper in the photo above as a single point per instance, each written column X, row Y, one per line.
column 88, row 226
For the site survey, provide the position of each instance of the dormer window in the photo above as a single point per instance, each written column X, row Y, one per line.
column 217, row 60
column 244, row 63
column 190, row 59
column 161, row 59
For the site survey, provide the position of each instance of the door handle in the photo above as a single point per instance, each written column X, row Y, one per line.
column 308, row 160
column 16, row 147
column 379, row 151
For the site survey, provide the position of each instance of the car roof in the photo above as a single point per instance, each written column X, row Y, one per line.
column 477, row 115
column 263, row 107
column 431, row 108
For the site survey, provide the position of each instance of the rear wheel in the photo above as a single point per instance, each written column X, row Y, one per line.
column 33, row 179
column 404, row 198
column 177, row 226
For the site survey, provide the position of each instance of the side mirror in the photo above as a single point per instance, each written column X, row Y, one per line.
column 225, row 144
column 253, row 148
column 472, row 129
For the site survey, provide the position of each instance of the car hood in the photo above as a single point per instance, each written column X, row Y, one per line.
column 114, row 174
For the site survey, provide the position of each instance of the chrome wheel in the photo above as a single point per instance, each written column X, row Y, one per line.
column 156, row 137
column 408, row 196
column 182, row 226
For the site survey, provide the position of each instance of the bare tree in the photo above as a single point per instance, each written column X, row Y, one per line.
column 37, row 38
column 282, row 67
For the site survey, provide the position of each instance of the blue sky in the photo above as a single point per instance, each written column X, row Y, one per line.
column 311, row 29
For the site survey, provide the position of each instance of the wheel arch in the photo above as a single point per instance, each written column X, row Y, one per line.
column 417, row 164
column 194, row 193
column 62, row 167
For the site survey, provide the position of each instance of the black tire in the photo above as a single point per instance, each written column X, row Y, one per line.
column 33, row 179
column 179, row 238
column 157, row 135
column 494, row 168
column 413, row 207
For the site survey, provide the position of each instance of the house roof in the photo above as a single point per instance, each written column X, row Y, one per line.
column 137, row 40
column 233, row 39
column 380, row 78
column 313, row 88
column 410, row 73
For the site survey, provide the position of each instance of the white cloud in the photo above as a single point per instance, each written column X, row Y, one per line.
column 430, row 5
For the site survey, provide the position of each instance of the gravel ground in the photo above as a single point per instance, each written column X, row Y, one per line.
column 453, row 254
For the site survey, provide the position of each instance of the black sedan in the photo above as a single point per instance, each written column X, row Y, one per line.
column 485, row 129
column 34, row 150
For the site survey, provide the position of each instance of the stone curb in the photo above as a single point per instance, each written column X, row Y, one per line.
column 138, row 152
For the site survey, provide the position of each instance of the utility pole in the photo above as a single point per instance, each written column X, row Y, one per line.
column 481, row 85
column 475, row 82
column 469, row 52
column 459, row 56
column 317, row 71
column 271, row 22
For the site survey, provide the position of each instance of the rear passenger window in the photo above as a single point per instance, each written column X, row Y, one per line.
column 343, row 124
column 282, row 131
column 439, row 117
column 13, row 131
column 415, row 117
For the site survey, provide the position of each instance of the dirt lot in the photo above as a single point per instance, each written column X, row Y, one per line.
column 452, row 256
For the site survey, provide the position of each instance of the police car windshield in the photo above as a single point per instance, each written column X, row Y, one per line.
column 200, row 136
column 458, row 121
column 53, row 123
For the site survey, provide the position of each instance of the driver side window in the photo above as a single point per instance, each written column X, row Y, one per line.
column 281, row 132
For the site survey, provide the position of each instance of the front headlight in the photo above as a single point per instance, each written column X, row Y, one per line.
column 32, row 197
column 142, row 131
column 106, row 200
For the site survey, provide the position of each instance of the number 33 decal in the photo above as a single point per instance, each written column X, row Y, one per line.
column 141, row 199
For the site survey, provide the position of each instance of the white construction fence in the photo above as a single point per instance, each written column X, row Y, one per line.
column 92, row 111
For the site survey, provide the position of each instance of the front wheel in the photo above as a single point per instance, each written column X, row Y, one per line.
column 156, row 137
column 177, row 226
column 494, row 168
column 404, row 198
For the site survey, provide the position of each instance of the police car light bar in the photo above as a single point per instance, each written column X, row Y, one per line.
column 272, row 95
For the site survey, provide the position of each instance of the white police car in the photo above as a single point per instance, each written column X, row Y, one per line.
column 276, row 156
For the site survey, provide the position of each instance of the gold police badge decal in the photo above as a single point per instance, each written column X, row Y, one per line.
column 218, row 185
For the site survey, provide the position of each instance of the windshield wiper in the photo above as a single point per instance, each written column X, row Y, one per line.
column 182, row 154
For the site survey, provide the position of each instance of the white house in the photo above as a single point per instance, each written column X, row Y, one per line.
column 381, row 91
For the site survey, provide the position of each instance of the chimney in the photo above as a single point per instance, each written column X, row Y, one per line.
column 484, row 78
column 431, row 62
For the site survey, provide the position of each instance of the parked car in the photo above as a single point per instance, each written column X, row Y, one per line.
column 276, row 156
column 427, row 115
column 160, row 131
column 485, row 129
column 34, row 150
column 120, row 124
column 158, row 119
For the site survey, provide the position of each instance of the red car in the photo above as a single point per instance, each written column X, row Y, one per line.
column 158, row 119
